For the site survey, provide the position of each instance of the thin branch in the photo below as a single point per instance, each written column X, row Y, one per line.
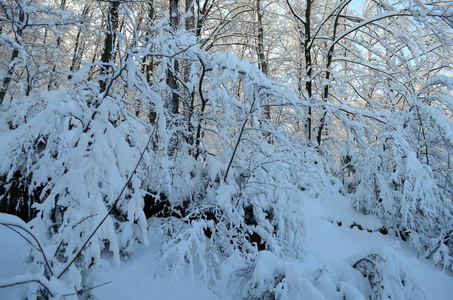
column 82, row 291
column 39, row 247
column 294, row 13
column 401, row 13
column 27, row 278
column 239, row 139
column 23, row 236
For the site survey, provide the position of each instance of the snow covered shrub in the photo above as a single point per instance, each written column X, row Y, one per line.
column 76, row 168
column 276, row 278
column 234, row 220
column 444, row 256
column 388, row 276
column 272, row 279
column 379, row 273
column 431, row 129
column 242, row 191
column 405, row 176
column 398, row 187
column 339, row 281
column 73, row 159
column 442, row 253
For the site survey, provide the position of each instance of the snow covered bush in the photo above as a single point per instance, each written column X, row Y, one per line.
column 260, row 209
column 403, row 178
column 379, row 273
column 66, row 166
column 388, row 275
column 242, row 191
column 401, row 190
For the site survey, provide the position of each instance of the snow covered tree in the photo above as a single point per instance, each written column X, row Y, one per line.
column 31, row 44
column 368, row 83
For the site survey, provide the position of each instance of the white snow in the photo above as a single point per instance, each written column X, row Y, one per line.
column 328, row 246
column 12, row 261
column 139, row 278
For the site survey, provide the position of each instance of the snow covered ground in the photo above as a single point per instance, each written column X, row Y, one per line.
column 12, row 261
column 327, row 245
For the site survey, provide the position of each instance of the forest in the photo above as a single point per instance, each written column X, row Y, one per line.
column 228, row 137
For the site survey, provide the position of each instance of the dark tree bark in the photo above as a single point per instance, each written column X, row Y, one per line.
column 148, row 60
column 172, row 76
column 262, row 61
column 7, row 79
column 308, row 64
column 306, row 45
column 189, row 94
column 328, row 73
column 78, row 45
column 172, row 73
column 190, row 21
column 109, row 42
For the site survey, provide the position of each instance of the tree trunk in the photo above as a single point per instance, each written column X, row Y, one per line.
column 14, row 55
column 308, row 66
column 109, row 42
column 189, row 95
column 172, row 77
column 190, row 21
column 148, row 60
column 78, row 45
column 262, row 61
column 328, row 73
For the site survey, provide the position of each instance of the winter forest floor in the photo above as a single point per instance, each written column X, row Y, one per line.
column 328, row 246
